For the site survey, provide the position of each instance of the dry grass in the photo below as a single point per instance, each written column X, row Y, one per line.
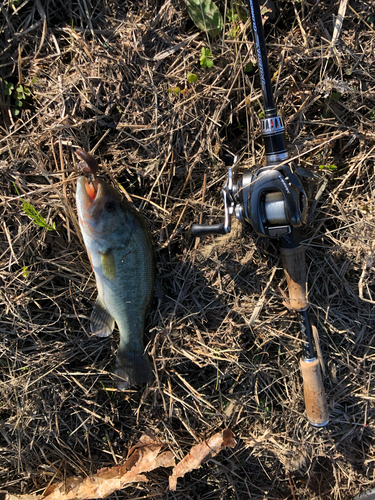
column 104, row 86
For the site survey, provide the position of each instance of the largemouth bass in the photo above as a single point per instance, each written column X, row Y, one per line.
column 120, row 250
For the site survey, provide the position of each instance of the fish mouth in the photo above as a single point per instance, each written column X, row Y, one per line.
column 88, row 192
column 90, row 199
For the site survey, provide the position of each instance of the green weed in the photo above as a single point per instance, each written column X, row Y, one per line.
column 191, row 77
column 19, row 95
column 206, row 60
column 34, row 215
column 335, row 96
column 206, row 16
column 328, row 167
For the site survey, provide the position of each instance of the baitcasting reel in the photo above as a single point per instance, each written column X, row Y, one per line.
column 272, row 199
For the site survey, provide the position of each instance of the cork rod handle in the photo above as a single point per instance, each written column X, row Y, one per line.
column 295, row 272
column 315, row 397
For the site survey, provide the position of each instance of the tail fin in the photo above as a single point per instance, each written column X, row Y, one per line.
column 132, row 368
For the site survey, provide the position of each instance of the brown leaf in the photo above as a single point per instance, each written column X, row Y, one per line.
column 143, row 457
column 200, row 453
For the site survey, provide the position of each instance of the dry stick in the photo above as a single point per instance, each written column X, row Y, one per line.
column 299, row 155
column 44, row 282
column 64, row 201
column 28, row 121
column 111, row 447
column 195, row 394
column 176, row 226
column 19, row 65
column 72, row 33
column 360, row 17
column 360, row 283
column 63, row 107
column 10, row 245
column 302, row 29
column 99, row 141
column 88, row 17
column 64, row 188
column 318, row 349
column 316, row 200
column 161, row 171
column 260, row 302
column 98, row 100
column 351, row 170
column 76, row 315
column 44, row 19
column 215, row 118
column 151, row 202
column 166, row 53
column 203, row 199
column 336, row 31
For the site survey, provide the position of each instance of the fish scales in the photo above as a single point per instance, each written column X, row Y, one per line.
column 120, row 250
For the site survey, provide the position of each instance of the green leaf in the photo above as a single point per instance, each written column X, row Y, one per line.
column 174, row 90
column 203, row 55
column 18, row 103
column 328, row 167
column 7, row 88
column 335, row 96
column 192, row 78
column 249, row 67
column 237, row 13
column 261, row 115
column 20, row 93
column 206, row 16
column 230, row 16
column 15, row 111
column 34, row 215
column 206, row 58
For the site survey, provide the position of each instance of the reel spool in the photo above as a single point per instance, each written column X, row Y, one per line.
column 275, row 209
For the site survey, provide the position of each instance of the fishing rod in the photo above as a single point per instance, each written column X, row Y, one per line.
column 273, row 201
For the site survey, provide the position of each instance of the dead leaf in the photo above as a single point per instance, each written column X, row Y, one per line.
column 143, row 457
column 200, row 453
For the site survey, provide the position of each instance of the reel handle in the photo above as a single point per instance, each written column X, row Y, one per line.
column 199, row 230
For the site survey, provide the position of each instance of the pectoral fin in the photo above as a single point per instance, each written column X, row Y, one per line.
column 108, row 264
column 101, row 322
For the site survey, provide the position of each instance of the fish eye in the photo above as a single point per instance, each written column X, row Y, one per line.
column 110, row 206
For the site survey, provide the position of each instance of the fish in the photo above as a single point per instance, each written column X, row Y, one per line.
column 120, row 249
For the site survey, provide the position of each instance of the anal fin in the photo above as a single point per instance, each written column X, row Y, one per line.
column 101, row 322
